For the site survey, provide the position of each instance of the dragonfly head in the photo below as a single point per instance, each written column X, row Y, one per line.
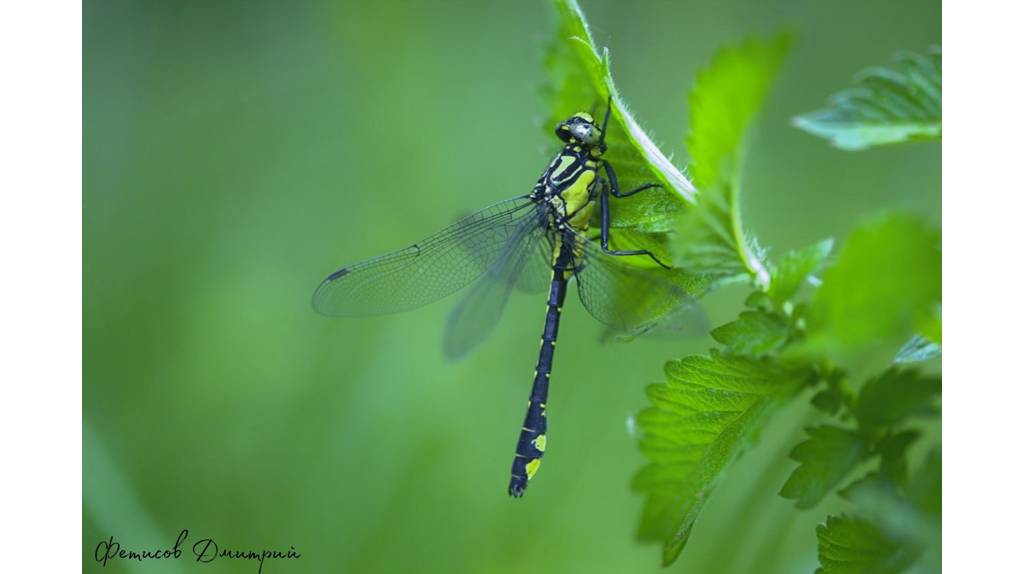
column 579, row 129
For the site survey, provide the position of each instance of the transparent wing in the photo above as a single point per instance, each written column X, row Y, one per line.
column 686, row 322
column 429, row 270
column 623, row 295
column 476, row 315
column 536, row 275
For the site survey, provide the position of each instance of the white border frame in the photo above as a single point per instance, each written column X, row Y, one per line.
column 41, row 267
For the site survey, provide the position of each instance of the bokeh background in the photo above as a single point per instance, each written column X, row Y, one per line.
column 237, row 152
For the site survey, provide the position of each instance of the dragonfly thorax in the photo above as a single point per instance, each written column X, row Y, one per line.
column 569, row 185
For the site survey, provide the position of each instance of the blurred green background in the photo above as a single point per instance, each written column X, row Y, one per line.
column 237, row 152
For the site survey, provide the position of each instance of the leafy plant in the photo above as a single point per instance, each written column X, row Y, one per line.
column 854, row 340
column 699, row 421
column 886, row 106
column 712, row 237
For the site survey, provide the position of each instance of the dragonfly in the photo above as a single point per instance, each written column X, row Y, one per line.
column 541, row 239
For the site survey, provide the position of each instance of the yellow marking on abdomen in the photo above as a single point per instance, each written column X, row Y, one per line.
column 540, row 442
column 531, row 468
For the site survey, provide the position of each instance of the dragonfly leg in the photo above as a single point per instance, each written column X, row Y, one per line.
column 644, row 187
column 613, row 189
column 613, row 180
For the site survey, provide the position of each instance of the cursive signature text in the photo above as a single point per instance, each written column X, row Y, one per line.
column 204, row 551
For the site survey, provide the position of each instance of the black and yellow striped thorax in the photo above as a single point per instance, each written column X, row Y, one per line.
column 570, row 184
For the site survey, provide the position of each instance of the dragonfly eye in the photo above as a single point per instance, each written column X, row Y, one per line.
column 563, row 131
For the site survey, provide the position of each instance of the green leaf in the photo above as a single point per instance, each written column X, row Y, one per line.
column 701, row 418
column 910, row 518
column 925, row 488
column 886, row 106
column 826, row 458
column 893, row 396
column 836, row 396
column 887, row 282
column 868, row 485
column 758, row 300
column 580, row 80
column 755, row 333
column 794, row 268
column 892, row 468
column 925, row 495
column 851, row 545
column 829, row 400
column 893, row 451
column 723, row 103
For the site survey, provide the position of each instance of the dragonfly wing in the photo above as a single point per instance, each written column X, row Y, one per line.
column 428, row 270
column 536, row 275
column 480, row 310
column 624, row 296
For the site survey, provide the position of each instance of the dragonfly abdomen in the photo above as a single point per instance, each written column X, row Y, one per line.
column 533, row 435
